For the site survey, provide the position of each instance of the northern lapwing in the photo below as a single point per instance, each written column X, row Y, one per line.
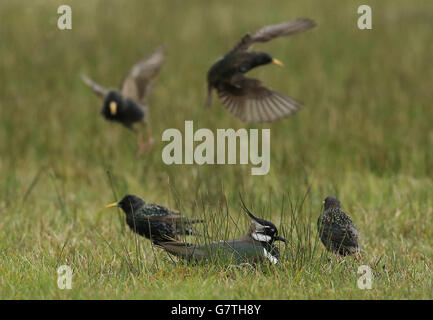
column 256, row 246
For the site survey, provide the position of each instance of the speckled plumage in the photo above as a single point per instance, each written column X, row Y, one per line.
column 336, row 229
column 153, row 221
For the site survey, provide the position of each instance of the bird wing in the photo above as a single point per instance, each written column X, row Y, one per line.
column 345, row 236
column 222, row 250
column 183, row 249
column 137, row 83
column 250, row 101
column 98, row 89
column 181, row 224
column 270, row 32
column 155, row 211
column 160, row 231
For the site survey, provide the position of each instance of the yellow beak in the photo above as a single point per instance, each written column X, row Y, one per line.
column 323, row 202
column 113, row 108
column 278, row 62
column 111, row 205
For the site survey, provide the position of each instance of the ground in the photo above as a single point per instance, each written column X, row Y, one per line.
column 364, row 135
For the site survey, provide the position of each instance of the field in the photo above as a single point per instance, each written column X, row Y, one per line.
column 364, row 135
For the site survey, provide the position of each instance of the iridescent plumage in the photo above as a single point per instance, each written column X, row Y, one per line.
column 153, row 221
column 247, row 98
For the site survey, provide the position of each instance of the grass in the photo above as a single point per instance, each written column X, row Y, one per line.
column 365, row 135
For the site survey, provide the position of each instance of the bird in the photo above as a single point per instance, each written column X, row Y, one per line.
column 337, row 230
column 256, row 246
column 153, row 221
column 247, row 98
column 129, row 105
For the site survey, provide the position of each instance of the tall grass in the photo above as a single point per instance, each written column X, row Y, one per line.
column 364, row 135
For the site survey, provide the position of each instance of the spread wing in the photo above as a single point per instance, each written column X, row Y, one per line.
column 137, row 83
column 270, row 32
column 99, row 90
column 250, row 101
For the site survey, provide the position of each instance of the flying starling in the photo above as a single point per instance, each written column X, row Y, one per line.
column 129, row 106
column 257, row 245
column 247, row 98
column 155, row 222
column 337, row 231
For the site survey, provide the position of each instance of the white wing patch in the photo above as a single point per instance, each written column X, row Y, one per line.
column 261, row 237
column 270, row 256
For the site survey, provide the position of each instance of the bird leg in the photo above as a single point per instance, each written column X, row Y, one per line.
column 150, row 140
column 142, row 146
column 358, row 256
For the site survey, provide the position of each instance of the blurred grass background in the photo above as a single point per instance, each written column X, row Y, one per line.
column 364, row 135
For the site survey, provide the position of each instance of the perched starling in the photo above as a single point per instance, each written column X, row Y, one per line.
column 246, row 97
column 129, row 106
column 153, row 221
column 337, row 231
column 257, row 245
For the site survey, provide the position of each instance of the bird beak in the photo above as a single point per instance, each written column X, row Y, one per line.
column 323, row 202
column 278, row 62
column 278, row 238
column 111, row 205
column 113, row 108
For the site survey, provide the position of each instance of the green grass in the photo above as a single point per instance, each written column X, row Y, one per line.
column 365, row 135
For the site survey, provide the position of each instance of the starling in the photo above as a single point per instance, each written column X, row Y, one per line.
column 152, row 221
column 336, row 230
column 246, row 97
column 129, row 106
column 257, row 245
